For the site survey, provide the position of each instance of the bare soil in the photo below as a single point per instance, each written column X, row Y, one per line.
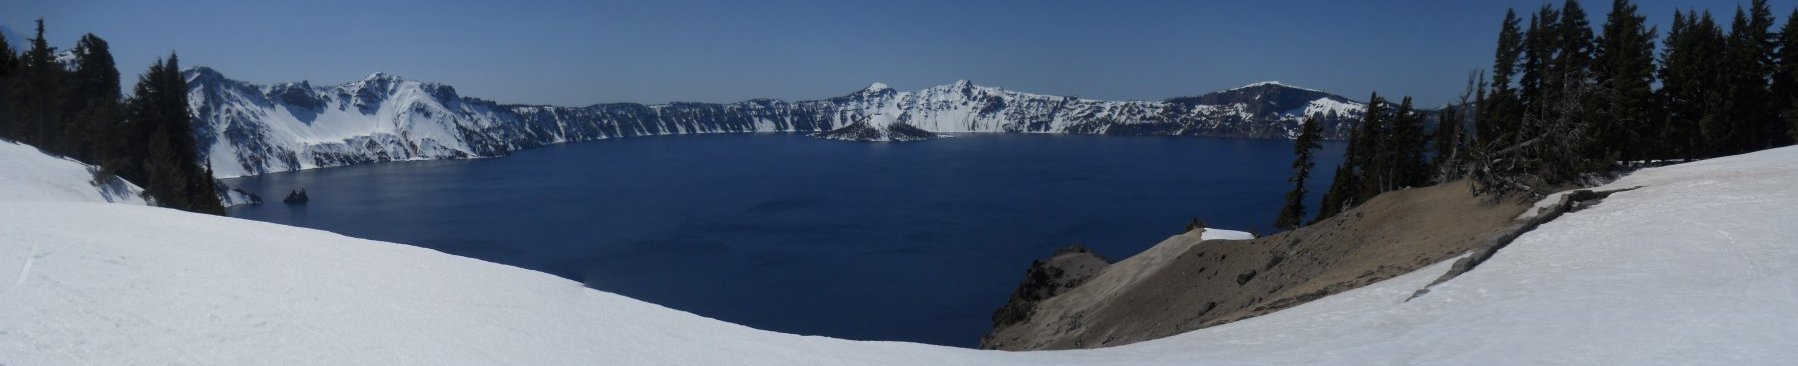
column 1184, row 284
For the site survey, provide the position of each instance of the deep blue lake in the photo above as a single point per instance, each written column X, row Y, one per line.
column 875, row 241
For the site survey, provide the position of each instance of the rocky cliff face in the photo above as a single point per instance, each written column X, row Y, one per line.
column 247, row 129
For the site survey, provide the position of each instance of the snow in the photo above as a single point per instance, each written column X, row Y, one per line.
column 1221, row 234
column 1260, row 83
column 1327, row 106
column 236, row 197
column 1698, row 267
column 256, row 129
column 1274, row 82
column 28, row 175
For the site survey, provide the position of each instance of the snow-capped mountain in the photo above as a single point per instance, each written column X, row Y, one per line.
column 250, row 129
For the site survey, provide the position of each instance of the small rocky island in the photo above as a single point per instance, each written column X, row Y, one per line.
column 878, row 128
column 296, row 197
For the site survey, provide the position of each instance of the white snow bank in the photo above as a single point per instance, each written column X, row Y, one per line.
column 27, row 174
column 1699, row 267
column 1221, row 234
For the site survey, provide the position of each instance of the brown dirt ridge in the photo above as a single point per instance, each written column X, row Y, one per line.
column 1183, row 284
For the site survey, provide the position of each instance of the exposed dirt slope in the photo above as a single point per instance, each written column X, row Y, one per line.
column 1184, row 284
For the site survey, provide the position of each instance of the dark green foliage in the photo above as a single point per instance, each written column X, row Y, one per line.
column 1690, row 61
column 92, row 111
column 37, row 91
column 158, row 111
column 1784, row 90
column 1346, row 186
column 1744, row 123
column 1539, row 43
column 1405, row 162
column 1572, row 60
column 1500, row 109
column 1386, row 152
column 9, row 69
column 1304, row 148
column 1623, row 67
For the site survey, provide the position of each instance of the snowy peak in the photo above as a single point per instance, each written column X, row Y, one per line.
column 250, row 129
column 1273, row 98
column 1274, row 84
column 1259, row 84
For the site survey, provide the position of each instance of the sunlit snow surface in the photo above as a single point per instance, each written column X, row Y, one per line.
column 1698, row 267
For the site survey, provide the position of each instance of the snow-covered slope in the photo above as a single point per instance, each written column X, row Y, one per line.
column 878, row 128
column 28, row 175
column 248, row 129
column 1698, row 267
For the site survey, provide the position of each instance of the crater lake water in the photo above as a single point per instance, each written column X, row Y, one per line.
column 912, row 241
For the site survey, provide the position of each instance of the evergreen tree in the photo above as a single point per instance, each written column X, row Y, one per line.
column 1373, row 140
column 1744, row 124
column 9, row 68
column 1499, row 109
column 37, row 92
column 1624, row 70
column 1406, row 164
column 1689, row 81
column 1538, row 53
column 94, row 105
column 1303, row 150
column 1784, row 90
column 1348, row 183
column 1572, row 60
column 157, row 115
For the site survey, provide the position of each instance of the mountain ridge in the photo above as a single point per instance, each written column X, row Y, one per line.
column 248, row 129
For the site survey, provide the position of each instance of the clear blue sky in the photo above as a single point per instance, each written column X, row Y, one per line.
column 584, row 52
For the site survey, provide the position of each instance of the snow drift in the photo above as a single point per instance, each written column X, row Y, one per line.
column 1698, row 267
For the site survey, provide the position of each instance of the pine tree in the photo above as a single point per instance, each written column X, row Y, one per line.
column 157, row 115
column 9, row 69
column 1689, row 84
column 1499, row 108
column 1348, row 183
column 1572, row 60
column 1538, row 52
column 1624, row 70
column 1744, row 123
column 1406, row 164
column 94, row 104
column 1783, row 93
column 1303, row 150
column 37, row 92
column 1372, row 139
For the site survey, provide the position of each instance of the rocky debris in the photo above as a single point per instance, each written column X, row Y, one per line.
column 1070, row 267
column 862, row 131
column 296, row 197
